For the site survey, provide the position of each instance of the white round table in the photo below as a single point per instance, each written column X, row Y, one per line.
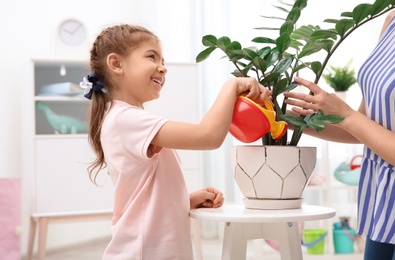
column 244, row 224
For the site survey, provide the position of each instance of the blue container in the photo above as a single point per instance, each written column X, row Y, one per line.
column 343, row 240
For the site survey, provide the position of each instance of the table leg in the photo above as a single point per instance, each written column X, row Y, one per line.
column 32, row 234
column 235, row 239
column 42, row 237
column 237, row 234
column 290, row 243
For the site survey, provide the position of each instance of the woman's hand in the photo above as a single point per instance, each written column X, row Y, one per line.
column 206, row 198
column 305, row 104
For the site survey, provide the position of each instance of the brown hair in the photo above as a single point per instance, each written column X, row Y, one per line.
column 119, row 39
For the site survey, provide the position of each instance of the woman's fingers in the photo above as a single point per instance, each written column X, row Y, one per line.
column 308, row 84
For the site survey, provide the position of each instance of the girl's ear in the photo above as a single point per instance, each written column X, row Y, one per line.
column 114, row 63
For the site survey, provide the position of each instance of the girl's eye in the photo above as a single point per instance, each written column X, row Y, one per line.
column 152, row 56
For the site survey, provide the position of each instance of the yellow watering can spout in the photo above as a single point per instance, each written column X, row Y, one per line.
column 277, row 128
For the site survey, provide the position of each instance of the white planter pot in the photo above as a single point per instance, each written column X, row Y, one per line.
column 273, row 177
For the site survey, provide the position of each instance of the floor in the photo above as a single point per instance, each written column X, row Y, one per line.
column 211, row 248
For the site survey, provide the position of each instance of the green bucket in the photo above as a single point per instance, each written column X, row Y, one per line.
column 314, row 240
column 343, row 240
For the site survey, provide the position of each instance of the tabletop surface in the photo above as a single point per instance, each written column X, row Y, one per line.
column 238, row 213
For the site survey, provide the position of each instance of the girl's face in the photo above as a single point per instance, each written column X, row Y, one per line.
column 144, row 73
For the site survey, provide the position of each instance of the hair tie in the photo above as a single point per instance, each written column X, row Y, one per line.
column 91, row 84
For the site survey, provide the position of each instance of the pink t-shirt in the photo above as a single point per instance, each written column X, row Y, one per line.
column 151, row 202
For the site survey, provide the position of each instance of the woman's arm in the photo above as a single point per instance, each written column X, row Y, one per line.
column 378, row 138
column 334, row 133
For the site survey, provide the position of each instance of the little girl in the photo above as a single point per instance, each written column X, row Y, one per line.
column 151, row 203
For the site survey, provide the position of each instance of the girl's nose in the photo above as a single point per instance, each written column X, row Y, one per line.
column 162, row 69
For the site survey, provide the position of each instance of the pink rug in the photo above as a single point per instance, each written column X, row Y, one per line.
column 10, row 219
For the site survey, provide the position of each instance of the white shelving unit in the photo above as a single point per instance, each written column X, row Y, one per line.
column 56, row 164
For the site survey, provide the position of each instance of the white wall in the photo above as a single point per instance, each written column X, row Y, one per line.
column 29, row 32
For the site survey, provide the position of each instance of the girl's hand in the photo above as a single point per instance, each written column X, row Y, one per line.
column 252, row 89
column 305, row 104
column 206, row 198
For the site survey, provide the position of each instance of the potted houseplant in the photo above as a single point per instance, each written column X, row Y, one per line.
column 340, row 78
column 275, row 62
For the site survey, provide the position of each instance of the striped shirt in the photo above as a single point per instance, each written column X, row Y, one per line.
column 376, row 197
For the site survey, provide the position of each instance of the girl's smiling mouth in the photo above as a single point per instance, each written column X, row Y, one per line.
column 158, row 81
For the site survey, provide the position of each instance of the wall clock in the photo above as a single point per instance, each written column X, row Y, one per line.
column 72, row 32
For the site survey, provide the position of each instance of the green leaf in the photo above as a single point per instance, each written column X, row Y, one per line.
column 271, row 77
column 287, row 28
column 233, row 51
column 241, row 64
column 304, row 32
column 327, row 44
column 295, row 44
column 331, row 20
column 223, row 43
column 323, row 34
column 272, row 57
column 297, row 121
column 309, row 49
column 273, row 17
column 290, row 87
column 332, row 119
column 249, row 54
column 346, row 14
column 235, row 45
column 294, row 15
column 300, row 67
column 264, row 52
column 316, row 67
column 281, row 8
column 237, row 74
column 360, row 12
column 301, row 4
column 205, row 54
column 259, row 63
column 344, row 25
column 318, row 120
column 283, row 43
column 380, row 5
column 263, row 40
column 284, row 64
column 267, row 28
column 280, row 87
column 209, row 41
column 247, row 69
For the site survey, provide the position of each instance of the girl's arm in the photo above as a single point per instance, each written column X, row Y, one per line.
column 213, row 128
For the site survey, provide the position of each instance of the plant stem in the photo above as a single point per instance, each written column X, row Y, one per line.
column 337, row 44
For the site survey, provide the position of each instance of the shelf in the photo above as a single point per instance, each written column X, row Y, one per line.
column 331, row 187
column 61, row 136
column 78, row 98
column 356, row 256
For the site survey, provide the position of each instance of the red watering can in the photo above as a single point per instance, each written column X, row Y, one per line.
column 251, row 121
